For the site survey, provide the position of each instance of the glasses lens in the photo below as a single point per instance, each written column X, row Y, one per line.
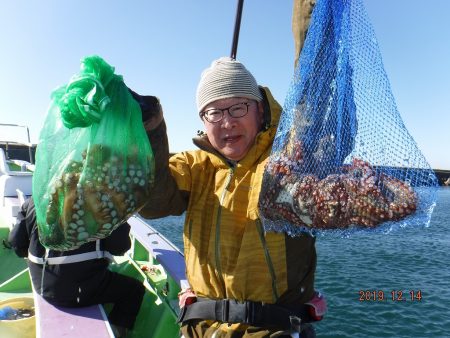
column 213, row 115
column 238, row 110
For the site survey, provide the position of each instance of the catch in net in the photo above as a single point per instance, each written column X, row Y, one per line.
column 342, row 158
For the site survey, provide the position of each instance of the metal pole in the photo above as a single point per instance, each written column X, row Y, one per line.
column 237, row 26
column 29, row 146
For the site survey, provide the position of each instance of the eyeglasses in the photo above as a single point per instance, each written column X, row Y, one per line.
column 216, row 115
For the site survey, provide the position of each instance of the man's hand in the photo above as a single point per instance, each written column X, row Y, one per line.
column 152, row 113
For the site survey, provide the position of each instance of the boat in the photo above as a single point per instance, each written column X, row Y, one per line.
column 152, row 259
column 16, row 172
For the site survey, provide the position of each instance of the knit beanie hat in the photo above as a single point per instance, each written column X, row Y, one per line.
column 226, row 78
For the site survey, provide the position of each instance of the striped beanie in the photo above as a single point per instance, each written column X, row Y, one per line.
column 226, row 78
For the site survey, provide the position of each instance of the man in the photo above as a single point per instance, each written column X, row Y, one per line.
column 247, row 283
column 79, row 277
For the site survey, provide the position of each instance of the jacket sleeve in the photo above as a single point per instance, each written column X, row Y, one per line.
column 118, row 242
column 19, row 237
column 165, row 198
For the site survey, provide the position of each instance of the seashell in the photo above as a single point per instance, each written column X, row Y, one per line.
column 142, row 182
column 113, row 213
column 82, row 236
column 127, row 180
column 139, row 173
column 105, row 197
column 80, row 212
column 81, row 229
column 80, row 222
column 107, row 226
column 75, row 216
column 136, row 180
column 132, row 172
column 73, row 225
column 115, row 220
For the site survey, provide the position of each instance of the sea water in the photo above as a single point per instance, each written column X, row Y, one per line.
column 379, row 285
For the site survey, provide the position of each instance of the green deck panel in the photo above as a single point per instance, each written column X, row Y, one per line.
column 156, row 318
column 19, row 282
column 10, row 263
column 159, row 310
column 14, row 167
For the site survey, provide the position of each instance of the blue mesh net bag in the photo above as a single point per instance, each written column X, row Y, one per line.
column 94, row 163
column 342, row 159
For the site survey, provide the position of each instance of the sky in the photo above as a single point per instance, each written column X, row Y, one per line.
column 160, row 47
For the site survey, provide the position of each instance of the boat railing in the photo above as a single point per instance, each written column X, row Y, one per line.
column 22, row 168
column 153, row 253
column 167, row 254
column 8, row 142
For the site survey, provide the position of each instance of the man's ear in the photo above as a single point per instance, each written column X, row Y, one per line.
column 262, row 115
column 267, row 117
column 260, row 110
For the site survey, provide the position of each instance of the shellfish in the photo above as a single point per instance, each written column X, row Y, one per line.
column 93, row 196
column 358, row 195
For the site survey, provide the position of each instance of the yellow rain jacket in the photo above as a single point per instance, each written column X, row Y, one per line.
column 227, row 253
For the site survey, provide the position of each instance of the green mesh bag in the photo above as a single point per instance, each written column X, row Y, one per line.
column 94, row 163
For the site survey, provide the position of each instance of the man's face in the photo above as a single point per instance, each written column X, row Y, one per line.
column 234, row 136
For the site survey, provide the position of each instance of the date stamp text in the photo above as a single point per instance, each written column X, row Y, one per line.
column 391, row 295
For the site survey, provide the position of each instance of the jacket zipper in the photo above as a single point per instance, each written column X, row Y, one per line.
column 268, row 260
column 217, row 242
